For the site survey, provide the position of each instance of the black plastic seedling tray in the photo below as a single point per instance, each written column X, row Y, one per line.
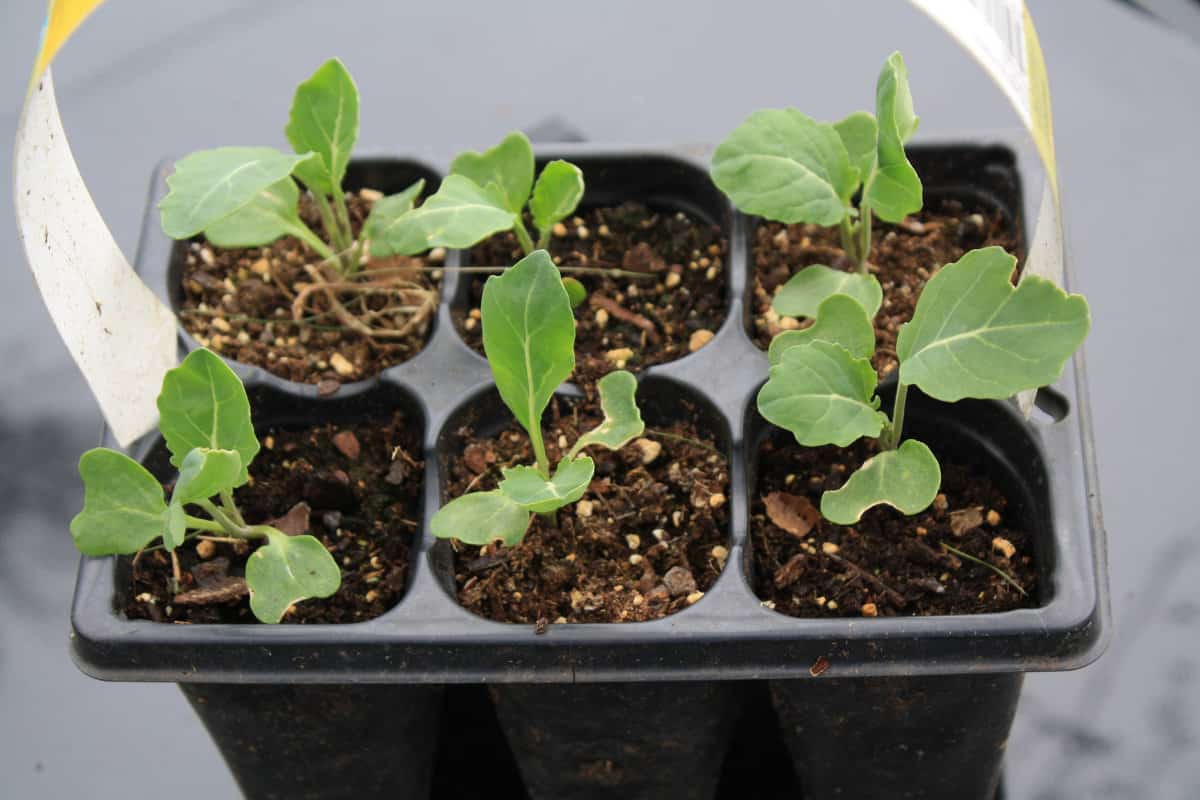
column 728, row 635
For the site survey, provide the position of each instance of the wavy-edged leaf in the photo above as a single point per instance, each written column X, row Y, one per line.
column 528, row 335
column 209, row 185
column 481, row 518
column 622, row 417
column 387, row 211
column 556, row 194
column 840, row 320
column 324, row 120
column 123, row 505
column 974, row 334
column 286, row 570
column 893, row 190
column 804, row 292
column 203, row 404
column 274, row 212
column 459, row 214
column 906, row 478
column 508, row 165
column 859, row 133
column 787, row 167
column 526, row 487
column 823, row 395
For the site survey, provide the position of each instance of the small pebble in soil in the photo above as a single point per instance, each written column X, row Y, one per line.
column 869, row 610
column 694, row 597
column 716, row 500
column 1004, row 547
column 993, row 517
column 205, row 549
column 699, row 338
column 649, row 449
column 829, row 548
column 679, row 581
column 341, row 365
column 584, row 508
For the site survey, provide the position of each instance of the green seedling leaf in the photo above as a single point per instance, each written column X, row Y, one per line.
column 823, row 395
column 974, row 334
column 840, row 320
column 508, row 165
column 557, row 193
column 210, row 185
column 893, row 190
column 324, row 120
column 859, row 133
column 204, row 473
column 528, row 335
column 576, row 291
column 481, row 518
column 459, row 214
column 286, row 570
column 274, row 212
column 787, row 167
column 387, row 211
column 123, row 506
column 622, row 418
column 906, row 478
column 526, row 487
column 203, row 404
column 803, row 294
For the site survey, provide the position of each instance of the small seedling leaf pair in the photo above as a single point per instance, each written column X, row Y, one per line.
column 973, row 334
column 529, row 339
column 205, row 422
column 486, row 193
column 248, row 196
column 785, row 166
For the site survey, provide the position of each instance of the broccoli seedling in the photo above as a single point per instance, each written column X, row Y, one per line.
column 973, row 334
column 529, row 339
column 787, row 167
column 205, row 421
column 248, row 196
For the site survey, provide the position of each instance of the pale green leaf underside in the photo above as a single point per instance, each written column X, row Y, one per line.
column 209, row 185
column 974, row 334
column 804, row 292
column 840, row 320
column 508, row 165
column 528, row 335
column 459, row 214
column 387, row 211
column 823, row 395
column 785, row 166
column 893, row 190
column 123, row 506
column 324, row 120
column 203, row 404
column 557, row 193
column 273, row 213
column 205, row 473
column 622, row 418
column 526, row 487
column 286, row 570
column 481, row 518
column 906, row 478
column 859, row 133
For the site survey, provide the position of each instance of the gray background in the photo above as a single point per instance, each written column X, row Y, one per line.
column 144, row 80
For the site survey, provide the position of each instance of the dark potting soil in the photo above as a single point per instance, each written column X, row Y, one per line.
column 362, row 485
column 239, row 303
column 903, row 257
column 628, row 322
column 648, row 538
column 888, row 564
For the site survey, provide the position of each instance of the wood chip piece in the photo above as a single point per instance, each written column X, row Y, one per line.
column 794, row 513
column 965, row 519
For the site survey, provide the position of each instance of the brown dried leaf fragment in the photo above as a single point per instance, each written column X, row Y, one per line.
column 965, row 519
column 295, row 522
column 794, row 513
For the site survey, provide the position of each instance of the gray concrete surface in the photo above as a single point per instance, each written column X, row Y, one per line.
column 144, row 80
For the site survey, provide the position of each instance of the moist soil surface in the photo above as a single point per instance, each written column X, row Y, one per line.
column 364, row 509
column 239, row 302
column 903, row 258
column 888, row 564
column 670, row 304
column 646, row 540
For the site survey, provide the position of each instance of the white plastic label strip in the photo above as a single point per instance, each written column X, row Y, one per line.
column 123, row 338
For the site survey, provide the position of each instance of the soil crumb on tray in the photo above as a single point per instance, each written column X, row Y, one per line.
column 357, row 488
column 888, row 564
column 649, row 537
column 670, row 305
column 239, row 303
column 903, row 257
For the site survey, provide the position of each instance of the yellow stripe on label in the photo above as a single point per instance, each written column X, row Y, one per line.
column 1039, row 104
column 62, row 18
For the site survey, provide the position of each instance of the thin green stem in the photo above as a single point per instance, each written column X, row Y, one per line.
column 983, row 563
column 332, row 229
column 343, row 214
column 196, row 523
column 523, row 236
column 849, row 243
column 231, row 508
column 864, row 238
column 539, row 451
column 305, row 235
column 894, row 431
column 543, row 241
